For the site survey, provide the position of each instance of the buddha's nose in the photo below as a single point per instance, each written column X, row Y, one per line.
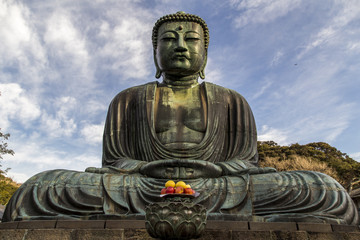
column 181, row 47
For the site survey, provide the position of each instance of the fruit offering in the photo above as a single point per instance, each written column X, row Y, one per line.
column 178, row 188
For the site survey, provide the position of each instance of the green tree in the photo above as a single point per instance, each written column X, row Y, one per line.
column 4, row 148
column 7, row 185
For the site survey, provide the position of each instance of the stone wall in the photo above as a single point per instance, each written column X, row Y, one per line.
column 135, row 229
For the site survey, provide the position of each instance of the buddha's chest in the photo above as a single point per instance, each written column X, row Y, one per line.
column 180, row 115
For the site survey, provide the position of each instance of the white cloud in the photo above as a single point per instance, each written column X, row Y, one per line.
column 127, row 46
column 33, row 151
column 321, row 124
column 93, row 133
column 271, row 134
column 20, row 48
column 354, row 46
column 266, row 84
column 66, row 44
column 94, row 106
column 34, row 154
column 86, row 160
column 261, row 11
column 308, row 116
column 276, row 59
column 212, row 72
column 213, row 76
column 336, row 29
column 18, row 177
column 62, row 122
column 305, row 117
column 14, row 29
column 16, row 105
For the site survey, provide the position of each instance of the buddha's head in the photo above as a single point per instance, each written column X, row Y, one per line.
column 180, row 44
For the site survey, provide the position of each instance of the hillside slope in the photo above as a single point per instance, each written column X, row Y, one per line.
column 317, row 156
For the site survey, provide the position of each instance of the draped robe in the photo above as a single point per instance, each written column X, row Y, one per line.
column 244, row 192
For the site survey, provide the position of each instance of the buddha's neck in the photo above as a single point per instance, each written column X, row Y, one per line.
column 180, row 82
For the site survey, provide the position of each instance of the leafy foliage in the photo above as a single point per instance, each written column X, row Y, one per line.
column 4, row 147
column 7, row 185
column 7, row 189
column 346, row 170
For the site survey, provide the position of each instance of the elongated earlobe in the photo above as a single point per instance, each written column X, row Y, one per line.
column 202, row 74
column 158, row 71
column 202, row 71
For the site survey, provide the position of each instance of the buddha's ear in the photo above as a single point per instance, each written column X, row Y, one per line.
column 202, row 70
column 158, row 71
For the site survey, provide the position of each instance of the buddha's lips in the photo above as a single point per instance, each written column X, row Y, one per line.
column 180, row 56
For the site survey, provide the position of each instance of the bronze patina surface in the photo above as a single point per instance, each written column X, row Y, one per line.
column 177, row 218
column 180, row 129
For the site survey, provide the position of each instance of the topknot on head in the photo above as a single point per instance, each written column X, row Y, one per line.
column 179, row 17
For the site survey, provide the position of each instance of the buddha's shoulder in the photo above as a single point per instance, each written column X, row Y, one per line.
column 222, row 91
column 134, row 92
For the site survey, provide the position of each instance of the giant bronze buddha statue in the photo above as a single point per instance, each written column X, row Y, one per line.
column 181, row 129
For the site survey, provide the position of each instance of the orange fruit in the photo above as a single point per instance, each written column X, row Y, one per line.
column 188, row 191
column 179, row 190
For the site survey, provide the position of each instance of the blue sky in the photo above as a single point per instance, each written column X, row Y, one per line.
column 61, row 63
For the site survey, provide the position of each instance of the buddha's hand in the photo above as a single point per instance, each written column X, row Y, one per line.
column 181, row 169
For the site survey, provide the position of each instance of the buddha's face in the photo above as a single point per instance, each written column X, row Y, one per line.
column 180, row 48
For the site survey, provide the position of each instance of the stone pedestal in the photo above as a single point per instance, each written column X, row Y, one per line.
column 135, row 229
